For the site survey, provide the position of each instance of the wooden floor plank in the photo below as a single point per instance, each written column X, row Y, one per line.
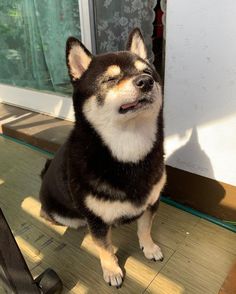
column 200, row 264
column 185, row 276
column 172, row 225
column 215, row 235
column 208, row 255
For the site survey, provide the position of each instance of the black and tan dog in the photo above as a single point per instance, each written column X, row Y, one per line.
column 111, row 169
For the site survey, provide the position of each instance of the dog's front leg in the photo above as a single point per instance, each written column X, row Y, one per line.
column 101, row 234
column 150, row 249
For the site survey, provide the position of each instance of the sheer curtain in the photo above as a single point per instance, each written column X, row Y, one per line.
column 114, row 19
column 32, row 42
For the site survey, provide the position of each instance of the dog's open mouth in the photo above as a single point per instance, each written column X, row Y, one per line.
column 134, row 105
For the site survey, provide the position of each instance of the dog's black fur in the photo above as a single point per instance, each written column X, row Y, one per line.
column 84, row 164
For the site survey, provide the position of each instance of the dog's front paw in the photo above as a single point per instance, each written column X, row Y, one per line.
column 152, row 251
column 113, row 276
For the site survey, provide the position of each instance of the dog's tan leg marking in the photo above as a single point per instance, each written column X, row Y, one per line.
column 112, row 273
column 150, row 249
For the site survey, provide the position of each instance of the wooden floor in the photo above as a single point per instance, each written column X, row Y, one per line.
column 198, row 254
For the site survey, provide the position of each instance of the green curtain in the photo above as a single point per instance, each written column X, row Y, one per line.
column 33, row 34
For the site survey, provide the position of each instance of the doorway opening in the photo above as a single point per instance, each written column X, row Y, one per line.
column 158, row 37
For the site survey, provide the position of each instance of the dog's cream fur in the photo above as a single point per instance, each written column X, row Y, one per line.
column 77, row 68
column 113, row 70
column 131, row 136
column 138, row 47
column 140, row 65
column 69, row 222
column 109, row 211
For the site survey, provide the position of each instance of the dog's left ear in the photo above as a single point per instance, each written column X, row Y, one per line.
column 136, row 43
column 78, row 58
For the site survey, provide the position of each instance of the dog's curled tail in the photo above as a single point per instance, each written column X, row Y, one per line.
column 46, row 166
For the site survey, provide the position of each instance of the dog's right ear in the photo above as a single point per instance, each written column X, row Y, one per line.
column 78, row 58
column 136, row 43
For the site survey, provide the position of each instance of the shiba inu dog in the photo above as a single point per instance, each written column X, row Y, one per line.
column 111, row 169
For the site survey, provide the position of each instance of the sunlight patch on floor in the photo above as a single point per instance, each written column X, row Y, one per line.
column 32, row 206
column 166, row 285
column 33, row 254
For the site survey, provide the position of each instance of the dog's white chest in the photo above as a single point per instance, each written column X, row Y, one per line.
column 109, row 211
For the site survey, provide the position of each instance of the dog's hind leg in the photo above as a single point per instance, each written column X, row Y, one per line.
column 150, row 249
column 101, row 234
column 57, row 219
column 71, row 222
column 47, row 217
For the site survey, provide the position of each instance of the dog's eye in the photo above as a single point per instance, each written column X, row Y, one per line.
column 110, row 79
column 147, row 71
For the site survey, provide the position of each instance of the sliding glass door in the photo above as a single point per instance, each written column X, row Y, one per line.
column 33, row 34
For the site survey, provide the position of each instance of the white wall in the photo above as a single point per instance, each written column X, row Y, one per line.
column 200, row 87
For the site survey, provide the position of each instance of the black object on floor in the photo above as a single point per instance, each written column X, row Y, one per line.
column 14, row 272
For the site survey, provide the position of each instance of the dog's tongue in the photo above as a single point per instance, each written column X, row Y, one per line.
column 128, row 105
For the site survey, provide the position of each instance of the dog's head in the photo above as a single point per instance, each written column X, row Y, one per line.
column 114, row 89
column 123, row 83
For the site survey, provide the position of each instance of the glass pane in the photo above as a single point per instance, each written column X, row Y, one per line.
column 115, row 19
column 33, row 34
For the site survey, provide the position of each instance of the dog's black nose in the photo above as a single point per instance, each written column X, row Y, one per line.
column 144, row 82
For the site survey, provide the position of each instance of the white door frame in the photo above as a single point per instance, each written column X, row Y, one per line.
column 53, row 104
